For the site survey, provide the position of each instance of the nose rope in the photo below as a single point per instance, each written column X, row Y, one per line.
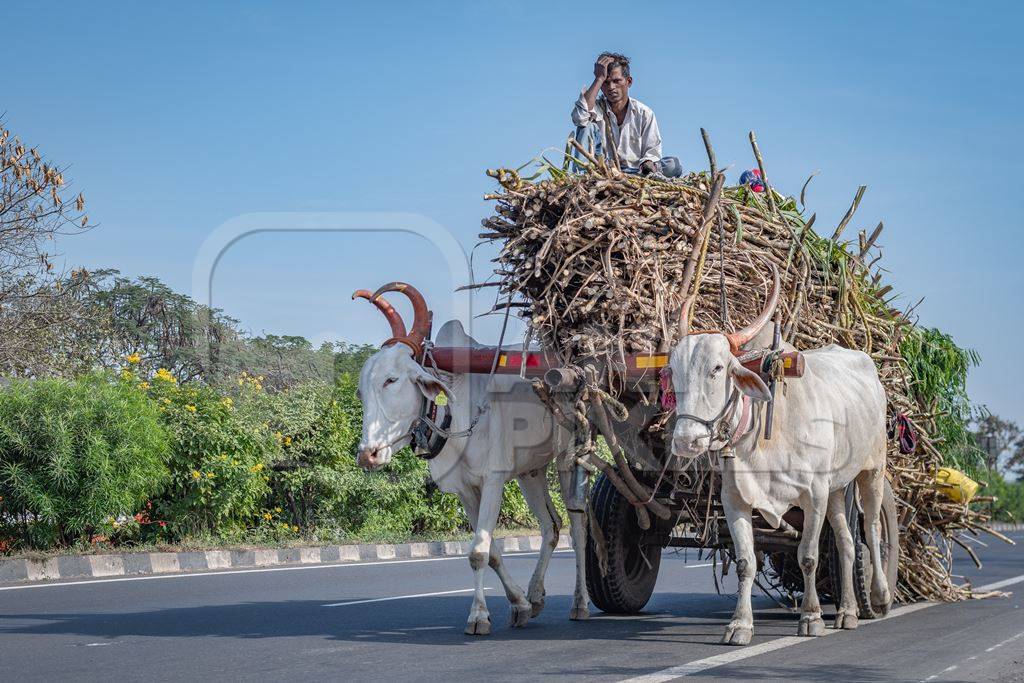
column 714, row 425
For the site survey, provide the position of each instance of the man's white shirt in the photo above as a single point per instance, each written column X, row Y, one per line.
column 636, row 140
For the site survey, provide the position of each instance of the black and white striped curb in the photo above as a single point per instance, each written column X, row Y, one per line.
column 141, row 564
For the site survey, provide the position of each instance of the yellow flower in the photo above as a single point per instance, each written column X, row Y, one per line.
column 267, row 516
column 258, row 467
column 166, row 401
column 190, row 408
column 196, row 474
column 266, row 478
column 277, row 510
column 284, row 525
column 295, row 529
column 144, row 385
column 287, row 441
column 127, row 374
column 223, row 457
column 210, row 475
column 117, row 525
column 164, row 375
column 227, row 402
column 133, row 358
column 278, row 436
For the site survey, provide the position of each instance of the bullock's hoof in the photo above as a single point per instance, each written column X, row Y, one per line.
column 811, row 625
column 579, row 613
column 536, row 605
column 478, row 627
column 520, row 615
column 847, row 620
column 737, row 635
column 880, row 602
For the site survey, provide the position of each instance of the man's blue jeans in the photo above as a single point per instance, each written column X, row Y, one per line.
column 590, row 138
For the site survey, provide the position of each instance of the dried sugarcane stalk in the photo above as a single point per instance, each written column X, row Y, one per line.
column 598, row 263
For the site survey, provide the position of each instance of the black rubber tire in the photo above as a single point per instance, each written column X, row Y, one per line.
column 629, row 583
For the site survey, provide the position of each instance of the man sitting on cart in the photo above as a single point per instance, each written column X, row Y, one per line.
column 633, row 127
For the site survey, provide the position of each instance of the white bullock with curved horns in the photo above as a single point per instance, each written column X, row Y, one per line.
column 482, row 432
column 829, row 430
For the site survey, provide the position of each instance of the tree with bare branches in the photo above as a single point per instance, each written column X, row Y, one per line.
column 37, row 205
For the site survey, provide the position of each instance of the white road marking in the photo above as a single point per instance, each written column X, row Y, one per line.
column 1000, row 584
column 401, row 597
column 749, row 651
column 229, row 572
column 1008, row 640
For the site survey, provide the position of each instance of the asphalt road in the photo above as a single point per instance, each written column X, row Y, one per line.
column 403, row 620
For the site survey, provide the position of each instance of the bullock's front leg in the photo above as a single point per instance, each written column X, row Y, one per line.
column 535, row 490
column 846, row 617
column 580, row 609
column 479, row 622
column 483, row 553
column 811, row 623
column 737, row 513
column 521, row 607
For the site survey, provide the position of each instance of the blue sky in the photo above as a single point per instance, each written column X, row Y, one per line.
column 177, row 117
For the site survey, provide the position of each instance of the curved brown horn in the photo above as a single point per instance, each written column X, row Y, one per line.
column 394, row 319
column 738, row 339
column 684, row 316
column 421, row 316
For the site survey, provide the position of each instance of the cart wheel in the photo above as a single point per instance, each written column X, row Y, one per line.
column 632, row 568
column 889, row 537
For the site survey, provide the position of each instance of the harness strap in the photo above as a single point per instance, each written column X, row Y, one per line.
column 716, row 425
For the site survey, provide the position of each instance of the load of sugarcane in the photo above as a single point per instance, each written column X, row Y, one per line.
column 598, row 264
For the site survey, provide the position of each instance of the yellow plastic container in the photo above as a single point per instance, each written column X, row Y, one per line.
column 955, row 485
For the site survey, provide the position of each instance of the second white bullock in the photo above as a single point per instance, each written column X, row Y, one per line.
column 499, row 430
column 829, row 430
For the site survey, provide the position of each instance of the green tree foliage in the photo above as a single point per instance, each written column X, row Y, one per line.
column 1000, row 440
column 74, row 455
column 939, row 369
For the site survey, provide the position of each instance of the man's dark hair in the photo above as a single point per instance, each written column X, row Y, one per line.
column 621, row 61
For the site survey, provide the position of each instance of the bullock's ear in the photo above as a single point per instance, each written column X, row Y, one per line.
column 430, row 385
column 750, row 383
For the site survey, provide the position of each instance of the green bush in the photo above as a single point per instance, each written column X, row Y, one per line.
column 75, row 456
column 1009, row 503
column 315, row 437
column 218, row 460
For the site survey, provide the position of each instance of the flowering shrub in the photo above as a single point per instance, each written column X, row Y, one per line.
column 218, row 460
column 76, row 455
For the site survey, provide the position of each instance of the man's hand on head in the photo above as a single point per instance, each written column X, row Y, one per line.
column 601, row 68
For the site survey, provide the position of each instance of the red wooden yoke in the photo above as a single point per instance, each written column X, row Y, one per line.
column 639, row 366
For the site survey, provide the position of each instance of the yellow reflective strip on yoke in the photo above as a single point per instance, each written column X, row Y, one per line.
column 502, row 360
column 651, row 361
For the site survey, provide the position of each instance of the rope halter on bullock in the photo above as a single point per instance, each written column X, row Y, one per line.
column 429, row 434
column 719, row 427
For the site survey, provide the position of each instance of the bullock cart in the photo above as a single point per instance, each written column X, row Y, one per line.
column 627, row 535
